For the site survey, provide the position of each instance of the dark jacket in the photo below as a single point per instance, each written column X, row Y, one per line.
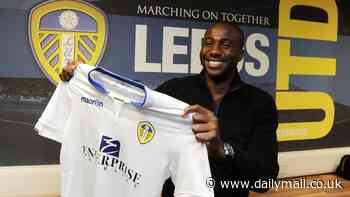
column 247, row 120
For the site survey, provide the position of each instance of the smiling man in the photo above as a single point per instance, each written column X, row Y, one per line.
column 237, row 121
column 221, row 50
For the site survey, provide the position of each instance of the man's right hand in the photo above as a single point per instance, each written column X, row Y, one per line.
column 68, row 71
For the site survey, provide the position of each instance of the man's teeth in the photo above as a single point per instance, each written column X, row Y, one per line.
column 215, row 62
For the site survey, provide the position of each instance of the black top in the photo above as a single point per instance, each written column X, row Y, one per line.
column 247, row 120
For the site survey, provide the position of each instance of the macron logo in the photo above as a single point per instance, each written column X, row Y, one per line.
column 90, row 101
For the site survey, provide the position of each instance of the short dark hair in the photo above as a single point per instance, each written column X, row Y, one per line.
column 236, row 27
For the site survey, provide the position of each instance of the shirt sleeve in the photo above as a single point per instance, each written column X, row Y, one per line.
column 53, row 120
column 190, row 170
column 259, row 160
column 168, row 87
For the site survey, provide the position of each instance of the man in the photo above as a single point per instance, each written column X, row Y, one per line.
column 237, row 121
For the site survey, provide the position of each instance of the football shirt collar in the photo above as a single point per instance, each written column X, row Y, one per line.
column 102, row 88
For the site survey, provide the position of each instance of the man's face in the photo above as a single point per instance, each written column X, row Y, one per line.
column 220, row 51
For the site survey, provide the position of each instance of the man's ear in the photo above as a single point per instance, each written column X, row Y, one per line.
column 239, row 55
column 202, row 42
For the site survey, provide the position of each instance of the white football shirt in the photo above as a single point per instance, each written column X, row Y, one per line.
column 120, row 138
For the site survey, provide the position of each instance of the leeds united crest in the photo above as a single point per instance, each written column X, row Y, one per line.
column 145, row 132
column 66, row 30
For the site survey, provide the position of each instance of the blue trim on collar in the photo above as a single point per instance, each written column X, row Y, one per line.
column 99, row 86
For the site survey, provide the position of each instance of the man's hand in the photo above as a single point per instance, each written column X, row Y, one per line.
column 67, row 72
column 206, row 129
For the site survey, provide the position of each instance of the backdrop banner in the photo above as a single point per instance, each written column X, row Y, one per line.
column 295, row 50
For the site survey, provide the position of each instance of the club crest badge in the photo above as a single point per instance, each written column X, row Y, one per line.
column 66, row 30
column 145, row 132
